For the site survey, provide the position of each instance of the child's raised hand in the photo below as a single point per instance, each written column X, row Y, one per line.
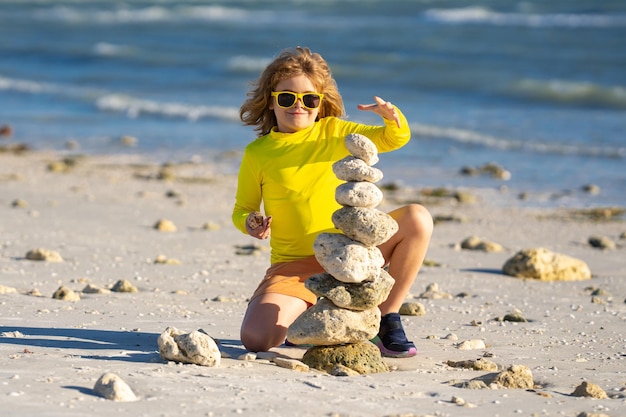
column 258, row 225
column 382, row 108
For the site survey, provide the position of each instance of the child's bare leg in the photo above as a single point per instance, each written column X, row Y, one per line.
column 267, row 319
column 405, row 252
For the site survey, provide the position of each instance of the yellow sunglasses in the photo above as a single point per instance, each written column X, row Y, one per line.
column 287, row 99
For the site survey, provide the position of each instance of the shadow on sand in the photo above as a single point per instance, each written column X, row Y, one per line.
column 125, row 346
column 128, row 346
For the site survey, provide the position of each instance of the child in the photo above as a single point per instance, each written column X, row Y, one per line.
column 295, row 107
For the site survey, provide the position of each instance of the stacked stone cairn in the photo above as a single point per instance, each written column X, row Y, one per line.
column 346, row 316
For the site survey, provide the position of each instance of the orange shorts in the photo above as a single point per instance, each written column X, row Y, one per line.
column 288, row 278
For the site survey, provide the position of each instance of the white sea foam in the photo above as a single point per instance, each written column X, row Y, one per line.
column 109, row 49
column 135, row 107
column 132, row 106
column 40, row 87
column 151, row 14
column 574, row 92
column 26, row 86
column 483, row 15
column 248, row 63
column 489, row 141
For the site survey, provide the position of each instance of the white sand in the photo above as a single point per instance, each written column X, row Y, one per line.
column 99, row 217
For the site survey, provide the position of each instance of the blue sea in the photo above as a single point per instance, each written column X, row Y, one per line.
column 537, row 87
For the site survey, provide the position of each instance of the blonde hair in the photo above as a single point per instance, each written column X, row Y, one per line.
column 255, row 111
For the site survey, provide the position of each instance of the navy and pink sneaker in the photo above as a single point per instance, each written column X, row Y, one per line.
column 391, row 339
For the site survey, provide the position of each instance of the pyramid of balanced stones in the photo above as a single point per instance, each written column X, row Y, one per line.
column 355, row 282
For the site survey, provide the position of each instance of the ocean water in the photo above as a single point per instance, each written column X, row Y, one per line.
column 537, row 87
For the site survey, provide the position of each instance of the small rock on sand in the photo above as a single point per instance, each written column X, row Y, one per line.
column 124, row 286
column 40, row 254
column 65, row 294
column 164, row 225
column 7, row 290
column 589, row 389
column 412, row 309
column 112, row 387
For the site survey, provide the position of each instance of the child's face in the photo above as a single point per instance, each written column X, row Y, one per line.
column 297, row 117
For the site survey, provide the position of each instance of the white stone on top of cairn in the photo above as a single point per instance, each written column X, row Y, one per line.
column 362, row 147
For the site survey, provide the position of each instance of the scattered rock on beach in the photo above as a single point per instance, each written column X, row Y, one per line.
column 471, row 344
column 19, row 203
column 164, row 225
column 492, row 169
column 195, row 347
column 480, row 364
column 364, row 358
column 112, row 387
column 515, row 377
column 589, row 389
column 601, row 242
column 65, row 294
column 94, row 289
column 7, row 290
column 293, row 364
column 476, row 243
column 211, row 226
column 124, row 286
column 164, row 260
column 544, row 265
column 40, row 254
column 410, row 308
column 515, row 316
column 433, row 292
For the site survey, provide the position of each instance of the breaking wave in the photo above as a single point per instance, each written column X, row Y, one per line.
column 476, row 138
column 483, row 15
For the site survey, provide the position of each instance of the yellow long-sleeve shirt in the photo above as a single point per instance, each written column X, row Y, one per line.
column 291, row 174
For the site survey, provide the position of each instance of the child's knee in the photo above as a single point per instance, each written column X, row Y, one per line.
column 254, row 341
column 419, row 219
column 262, row 339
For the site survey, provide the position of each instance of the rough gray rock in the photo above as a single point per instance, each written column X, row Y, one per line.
column 352, row 168
column 369, row 226
column 361, row 296
column 362, row 147
column 326, row 324
column 358, row 194
column 346, row 259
